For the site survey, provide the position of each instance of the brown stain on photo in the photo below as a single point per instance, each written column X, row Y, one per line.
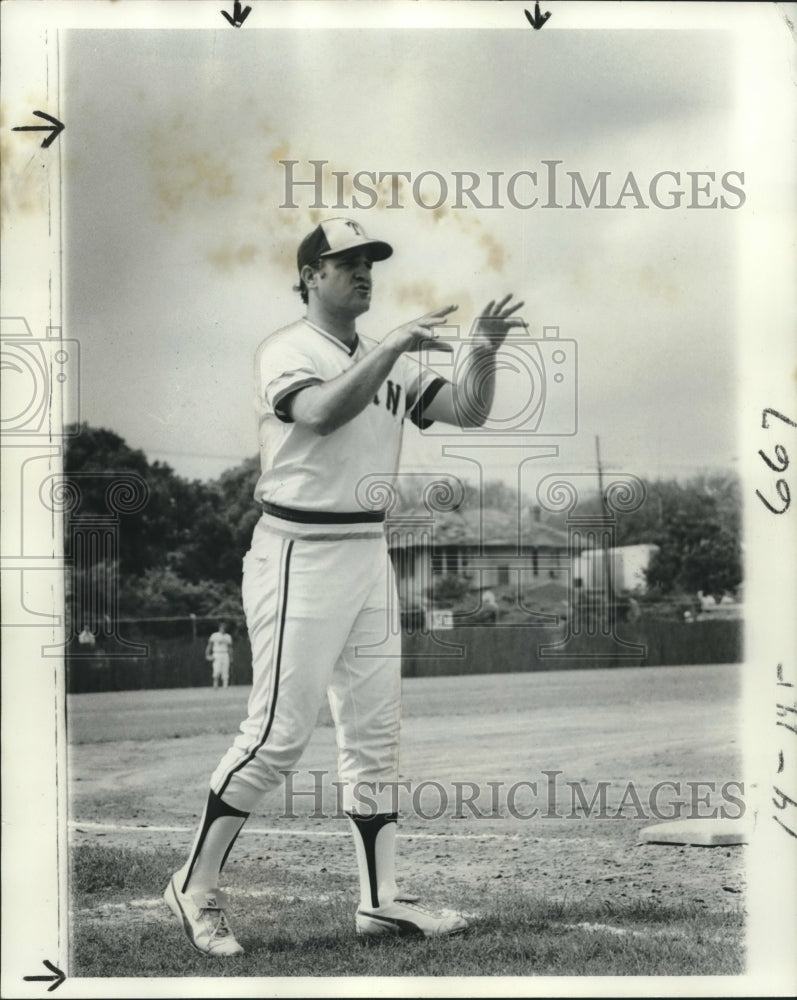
column 657, row 283
column 579, row 276
column 25, row 176
column 420, row 297
column 392, row 191
column 495, row 253
column 281, row 152
column 228, row 258
column 183, row 171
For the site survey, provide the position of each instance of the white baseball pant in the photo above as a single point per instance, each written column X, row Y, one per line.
column 221, row 669
column 309, row 603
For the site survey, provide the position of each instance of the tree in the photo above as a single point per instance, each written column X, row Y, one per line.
column 162, row 593
column 178, row 554
column 697, row 526
column 699, row 537
column 235, row 490
column 173, row 507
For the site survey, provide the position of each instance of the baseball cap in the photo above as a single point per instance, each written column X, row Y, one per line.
column 336, row 236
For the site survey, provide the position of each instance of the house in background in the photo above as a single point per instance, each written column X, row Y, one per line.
column 483, row 549
column 621, row 569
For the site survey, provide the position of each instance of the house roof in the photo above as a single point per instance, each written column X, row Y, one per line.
column 488, row 527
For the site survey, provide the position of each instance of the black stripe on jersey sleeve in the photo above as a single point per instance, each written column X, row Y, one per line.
column 416, row 413
column 282, row 397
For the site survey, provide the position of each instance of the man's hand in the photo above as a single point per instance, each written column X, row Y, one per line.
column 491, row 328
column 325, row 406
column 418, row 335
column 467, row 401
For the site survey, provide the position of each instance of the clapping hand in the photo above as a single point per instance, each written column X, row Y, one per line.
column 418, row 335
column 495, row 322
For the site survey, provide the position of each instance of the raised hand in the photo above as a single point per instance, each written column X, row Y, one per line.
column 495, row 322
column 418, row 335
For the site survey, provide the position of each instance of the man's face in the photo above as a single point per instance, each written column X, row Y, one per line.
column 343, row 284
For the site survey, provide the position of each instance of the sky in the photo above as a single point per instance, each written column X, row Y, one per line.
column 180, row 252
column 166, row 188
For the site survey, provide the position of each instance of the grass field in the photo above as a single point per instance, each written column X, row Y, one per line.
column 562, row 893
column 517, row 931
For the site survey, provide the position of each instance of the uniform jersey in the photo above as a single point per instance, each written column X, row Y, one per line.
column 309, row 472
column 220, row 644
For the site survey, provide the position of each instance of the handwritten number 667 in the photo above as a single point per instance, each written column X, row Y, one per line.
column 780, row 465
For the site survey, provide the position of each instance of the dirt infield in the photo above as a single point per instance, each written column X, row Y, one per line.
column 587, row 749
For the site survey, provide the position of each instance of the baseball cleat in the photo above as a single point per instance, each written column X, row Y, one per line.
column 407, row 919
column 204, row 920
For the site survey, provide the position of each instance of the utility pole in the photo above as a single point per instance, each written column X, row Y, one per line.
column 606, row 557
column 600, row 471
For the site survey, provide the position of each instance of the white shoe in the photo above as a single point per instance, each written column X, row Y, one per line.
column 404, row 919
column 204, row 920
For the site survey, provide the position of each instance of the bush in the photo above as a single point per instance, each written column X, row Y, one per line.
column 448, row 589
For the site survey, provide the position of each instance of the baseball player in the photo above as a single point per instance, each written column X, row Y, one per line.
column 318, row 586
column 219, row 652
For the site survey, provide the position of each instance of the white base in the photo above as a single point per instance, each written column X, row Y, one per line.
column 698, row 832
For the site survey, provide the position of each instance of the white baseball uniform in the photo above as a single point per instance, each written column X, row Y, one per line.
column 220, row 645
column 318, row 587
column 319, row 594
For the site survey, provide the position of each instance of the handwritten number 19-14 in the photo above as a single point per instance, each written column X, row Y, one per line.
column 780, row 464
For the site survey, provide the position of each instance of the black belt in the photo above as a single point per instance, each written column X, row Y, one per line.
column 320, row 516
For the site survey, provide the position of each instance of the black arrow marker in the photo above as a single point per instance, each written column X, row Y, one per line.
column 55, row 128
column 539, row 19
column 238, row 16
column 59, row 977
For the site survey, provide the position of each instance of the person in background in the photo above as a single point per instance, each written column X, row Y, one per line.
column 219, row 652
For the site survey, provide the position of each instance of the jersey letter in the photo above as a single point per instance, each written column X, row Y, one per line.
column 393, row 395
